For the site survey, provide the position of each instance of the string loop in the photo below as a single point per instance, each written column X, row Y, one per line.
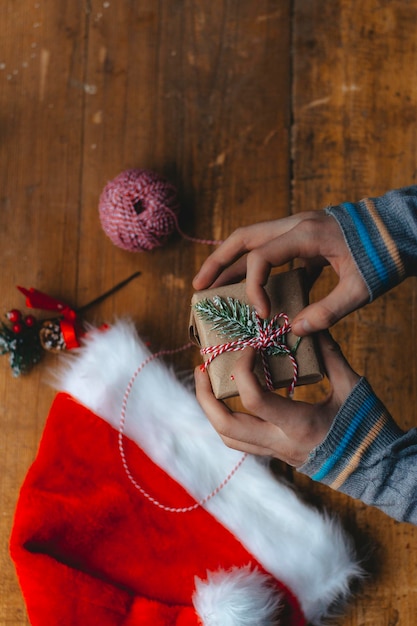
column 132, row 479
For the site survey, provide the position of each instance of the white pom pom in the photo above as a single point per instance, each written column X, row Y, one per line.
column 238, row 597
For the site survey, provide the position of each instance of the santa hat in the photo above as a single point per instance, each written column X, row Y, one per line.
column 91, row 548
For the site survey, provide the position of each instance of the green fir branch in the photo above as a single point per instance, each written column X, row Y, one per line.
column 236, row 320
column 24, row 349
column 229, row 317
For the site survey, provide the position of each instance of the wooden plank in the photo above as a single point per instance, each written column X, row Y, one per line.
column 41, row 102
column 196, row 90
column 354, row 100
column 200, row 94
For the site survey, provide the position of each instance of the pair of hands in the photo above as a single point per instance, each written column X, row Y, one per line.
column 274, row 425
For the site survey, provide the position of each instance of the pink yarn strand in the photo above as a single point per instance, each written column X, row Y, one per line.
column 209, row 242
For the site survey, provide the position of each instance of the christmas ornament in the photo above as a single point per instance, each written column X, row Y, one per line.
column 139, row 211
column 90, row 549
column 21, row 342
column 26, row 339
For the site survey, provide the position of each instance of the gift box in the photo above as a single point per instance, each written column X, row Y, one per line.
column 288, row 296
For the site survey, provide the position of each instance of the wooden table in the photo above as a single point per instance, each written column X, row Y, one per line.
column 254, row 110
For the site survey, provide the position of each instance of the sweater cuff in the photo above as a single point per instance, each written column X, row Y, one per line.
column 381, row 234
column 361, row 430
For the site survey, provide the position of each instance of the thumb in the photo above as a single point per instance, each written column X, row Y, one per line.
column 345, row 298
column 340, row 374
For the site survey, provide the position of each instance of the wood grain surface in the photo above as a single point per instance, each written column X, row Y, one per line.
column 354, row 102
column 254, row 110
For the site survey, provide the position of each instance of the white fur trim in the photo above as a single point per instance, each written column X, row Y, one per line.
column 238, row 597
column 306, row 550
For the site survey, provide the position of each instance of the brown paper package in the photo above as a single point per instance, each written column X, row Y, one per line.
column 288, row 295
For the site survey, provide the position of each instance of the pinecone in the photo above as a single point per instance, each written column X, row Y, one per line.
column 51, row 336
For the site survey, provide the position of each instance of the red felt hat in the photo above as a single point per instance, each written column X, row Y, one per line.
column 92, row 545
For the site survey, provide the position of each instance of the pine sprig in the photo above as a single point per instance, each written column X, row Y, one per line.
column 24, row 349
column 237, row 320
column 229, row 317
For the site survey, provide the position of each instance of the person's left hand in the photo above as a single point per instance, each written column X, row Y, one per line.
column 277, row 426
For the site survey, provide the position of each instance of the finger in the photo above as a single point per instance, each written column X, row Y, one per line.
column 216, row 411
column 204, row 393
column 248, row 433
column 241, row 431
column 248, row 448
column 263, row 438
column 282, row 449
column 313, row 269
column 302, row 242
column 237, row 244
column 257, row 294
column 257, row 274
column 341, row 375
column 232, row 274
column 296, row 427
column 268, row 406
column 348, row 295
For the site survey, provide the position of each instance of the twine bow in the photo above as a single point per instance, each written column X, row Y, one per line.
column 267, row 337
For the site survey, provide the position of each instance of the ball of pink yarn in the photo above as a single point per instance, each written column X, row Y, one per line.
column 138, row 210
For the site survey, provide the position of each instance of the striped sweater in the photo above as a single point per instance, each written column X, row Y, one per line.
column 365, row 454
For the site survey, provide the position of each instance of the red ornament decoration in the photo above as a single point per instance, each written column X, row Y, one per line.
column 30, row 320
column 68, row 324
column 26, row 339
column 14, row 316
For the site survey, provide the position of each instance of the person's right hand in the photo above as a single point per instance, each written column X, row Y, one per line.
column 313, row 237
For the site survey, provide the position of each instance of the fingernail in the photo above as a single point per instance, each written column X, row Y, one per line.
column 260, row 313
column 302, row 327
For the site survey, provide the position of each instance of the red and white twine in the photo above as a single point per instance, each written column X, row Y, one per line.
column 270, row 336
column 123, row 413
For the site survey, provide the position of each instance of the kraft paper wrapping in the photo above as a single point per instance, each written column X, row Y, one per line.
column 288, row 295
